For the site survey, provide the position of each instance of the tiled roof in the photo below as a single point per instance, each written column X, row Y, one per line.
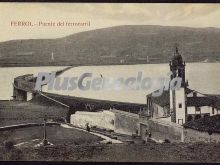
column 215, row 99
column 162, row 100
column 209, row 100
column 199, row 101
column 188, row 90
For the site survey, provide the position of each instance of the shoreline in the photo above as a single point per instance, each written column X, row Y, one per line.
column 6, row 65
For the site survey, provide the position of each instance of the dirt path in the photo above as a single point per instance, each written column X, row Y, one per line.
column 107, row 139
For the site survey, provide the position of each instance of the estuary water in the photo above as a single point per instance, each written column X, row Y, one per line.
column 203, row 77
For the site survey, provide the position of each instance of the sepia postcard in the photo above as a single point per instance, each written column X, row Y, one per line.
column 110, row 82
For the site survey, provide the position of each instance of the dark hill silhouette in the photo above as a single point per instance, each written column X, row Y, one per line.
column 114, row 45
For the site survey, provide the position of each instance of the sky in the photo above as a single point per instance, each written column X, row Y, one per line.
column 99, row 15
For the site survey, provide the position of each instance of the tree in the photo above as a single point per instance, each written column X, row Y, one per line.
column 73, row 108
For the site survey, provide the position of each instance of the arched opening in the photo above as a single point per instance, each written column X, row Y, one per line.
column 197, row 117
column 189, row 118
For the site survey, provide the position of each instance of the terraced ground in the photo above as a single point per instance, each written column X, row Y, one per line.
column 15, row 112
column 20, row 139
column 75, row 145
column 150, row 152
column 57, row 135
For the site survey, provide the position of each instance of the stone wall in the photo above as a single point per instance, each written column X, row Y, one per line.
column 191, row 135
column 19, row 95
column 104, row 119
column 161, row 130
column 125, row 122
column 119, row 121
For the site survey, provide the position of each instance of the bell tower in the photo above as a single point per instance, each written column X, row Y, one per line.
column 178, row 96
column 177, row 66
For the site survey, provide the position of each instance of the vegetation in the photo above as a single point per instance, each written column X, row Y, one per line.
column 131, row 44
column 12, row 113
column 209, row 124
column 150, row 152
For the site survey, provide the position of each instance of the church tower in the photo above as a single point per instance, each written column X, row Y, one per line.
column 178, row 96
column 177, row 66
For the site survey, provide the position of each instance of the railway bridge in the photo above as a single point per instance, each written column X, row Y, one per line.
column 23, row 90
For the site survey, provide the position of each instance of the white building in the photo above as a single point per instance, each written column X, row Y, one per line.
column 184, row 104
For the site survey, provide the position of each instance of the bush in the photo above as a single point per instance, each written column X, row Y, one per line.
column 59, row 120
column 166, row 141
column 13, row 154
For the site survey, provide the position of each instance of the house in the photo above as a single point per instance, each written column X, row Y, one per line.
column 184, row 104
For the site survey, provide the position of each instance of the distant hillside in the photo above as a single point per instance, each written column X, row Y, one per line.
column 115, row 45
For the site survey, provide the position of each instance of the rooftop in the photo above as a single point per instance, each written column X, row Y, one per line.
column 164, row 99
column 208, row 100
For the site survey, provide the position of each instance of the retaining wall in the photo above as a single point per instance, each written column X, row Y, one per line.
column 125, row 122
column 119, row 121
column 11, row 127
column 191, row 135
column 104, row 119
column 161, row 130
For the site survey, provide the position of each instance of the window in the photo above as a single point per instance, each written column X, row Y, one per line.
column 180, row 105
column 213, row 110
column 198, row 109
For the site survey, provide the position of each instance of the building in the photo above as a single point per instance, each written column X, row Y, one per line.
column 120, row 122
column 184, row 104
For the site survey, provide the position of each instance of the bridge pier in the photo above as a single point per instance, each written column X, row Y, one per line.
column 23, row 88
column 20, row 95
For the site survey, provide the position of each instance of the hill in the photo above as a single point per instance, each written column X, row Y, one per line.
column 129, row 44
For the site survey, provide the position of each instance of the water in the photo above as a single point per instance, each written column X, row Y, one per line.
column 7, row 76
column 203, row 77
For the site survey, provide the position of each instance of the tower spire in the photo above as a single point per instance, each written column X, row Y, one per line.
column 177, row 65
